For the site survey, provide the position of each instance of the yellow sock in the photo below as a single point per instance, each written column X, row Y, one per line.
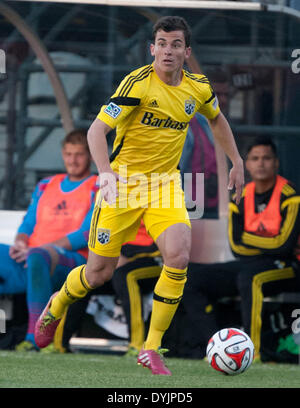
column 58, row 336
column 167, row 295
column 75, row 287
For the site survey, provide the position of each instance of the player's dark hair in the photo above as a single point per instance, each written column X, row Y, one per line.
column 173, row 23
column 263, row 140
column 76, row 136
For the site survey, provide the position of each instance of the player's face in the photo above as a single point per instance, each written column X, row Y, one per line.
column 77, row 161
column 261, row 163
column 169, row 51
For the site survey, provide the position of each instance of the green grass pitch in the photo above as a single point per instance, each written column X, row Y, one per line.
column 83, row 370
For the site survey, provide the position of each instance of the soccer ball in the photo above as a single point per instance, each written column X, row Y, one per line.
column 230, row 351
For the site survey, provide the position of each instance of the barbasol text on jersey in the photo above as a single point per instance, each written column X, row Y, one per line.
column 150, row 120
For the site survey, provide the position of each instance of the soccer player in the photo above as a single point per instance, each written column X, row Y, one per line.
column 151, row 110
column 52, row 238
column 263, row 231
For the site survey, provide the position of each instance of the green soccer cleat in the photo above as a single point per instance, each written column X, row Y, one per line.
column 26, row 346
column 131, row 352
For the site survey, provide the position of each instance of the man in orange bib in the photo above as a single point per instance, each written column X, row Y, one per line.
column 263, row 231
column 52, row 238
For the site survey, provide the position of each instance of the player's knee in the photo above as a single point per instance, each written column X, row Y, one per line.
column 176, row 255
column 176, row 259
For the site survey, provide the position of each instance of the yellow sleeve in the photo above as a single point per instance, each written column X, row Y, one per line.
column 126, row 98
column 210, row 108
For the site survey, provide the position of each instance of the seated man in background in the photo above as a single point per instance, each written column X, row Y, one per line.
column 52, row 238
column 263, row 232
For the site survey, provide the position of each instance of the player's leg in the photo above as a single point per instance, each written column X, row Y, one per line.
column 168, row 224
column 107, row 234
column 73, row 318
column 80, row 281
column 174, row 244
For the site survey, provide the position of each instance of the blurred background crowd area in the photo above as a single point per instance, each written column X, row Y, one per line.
column 63, row 61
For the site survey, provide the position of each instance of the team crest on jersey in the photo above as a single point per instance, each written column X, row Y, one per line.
column 113, row 110
column 189, row 106
column 103, row 235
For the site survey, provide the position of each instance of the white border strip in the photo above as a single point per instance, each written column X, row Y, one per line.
column 224, row 5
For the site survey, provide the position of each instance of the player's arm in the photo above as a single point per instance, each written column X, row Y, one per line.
column 223, row 135
column 97, row 141
column 120, row 105
column 285, row 241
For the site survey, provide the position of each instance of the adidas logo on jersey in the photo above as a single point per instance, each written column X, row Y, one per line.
column 153, row 104
column 62, row 206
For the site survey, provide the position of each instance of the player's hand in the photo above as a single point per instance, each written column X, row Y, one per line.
column 18, row 251
column 236, row 180
column 108, row 185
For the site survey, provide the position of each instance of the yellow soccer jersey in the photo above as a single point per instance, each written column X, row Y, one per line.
column 151, row 119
